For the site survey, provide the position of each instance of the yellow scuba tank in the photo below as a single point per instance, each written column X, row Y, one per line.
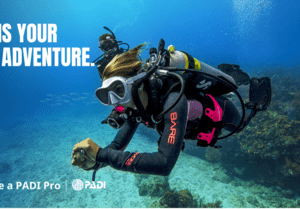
column 180, row 59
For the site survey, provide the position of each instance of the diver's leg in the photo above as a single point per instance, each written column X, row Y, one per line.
column 231, row 115
column 249, row 114
column 260, row 93
column 260, row 98
column 240, row 77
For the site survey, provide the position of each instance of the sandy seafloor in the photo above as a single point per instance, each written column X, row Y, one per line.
column 40, row 150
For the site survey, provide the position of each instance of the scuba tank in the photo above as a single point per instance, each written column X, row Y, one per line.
column 200, row 83
column 180, row 59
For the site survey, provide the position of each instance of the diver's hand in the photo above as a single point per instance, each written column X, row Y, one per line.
column 84, row 154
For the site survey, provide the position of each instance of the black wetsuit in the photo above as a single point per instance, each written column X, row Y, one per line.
column 175, row 123
column 101, row 64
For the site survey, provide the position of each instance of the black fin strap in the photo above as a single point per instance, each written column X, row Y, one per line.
column 97, row 167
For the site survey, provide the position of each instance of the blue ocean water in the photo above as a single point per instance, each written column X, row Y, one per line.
column 45, row 111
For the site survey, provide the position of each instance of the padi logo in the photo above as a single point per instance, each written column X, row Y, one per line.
column 79, row 185
column 203, row 85
column 98, row 185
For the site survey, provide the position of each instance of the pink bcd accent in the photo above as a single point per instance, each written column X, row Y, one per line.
column 215, row 115
column 119, row 109
column 207, row 137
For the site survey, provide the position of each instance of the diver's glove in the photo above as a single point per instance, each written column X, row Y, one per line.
column 84, row 154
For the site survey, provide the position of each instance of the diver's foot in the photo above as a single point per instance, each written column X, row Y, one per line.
column 260, row 93
column 240, row 77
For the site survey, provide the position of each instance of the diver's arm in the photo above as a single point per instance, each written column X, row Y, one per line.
column 161, row 162
column 122, row 138
column 124, row 135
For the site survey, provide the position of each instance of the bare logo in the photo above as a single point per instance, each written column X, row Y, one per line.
column 203, row 85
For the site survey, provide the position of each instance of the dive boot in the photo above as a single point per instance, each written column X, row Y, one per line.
column 240, row 77
column 260, row 93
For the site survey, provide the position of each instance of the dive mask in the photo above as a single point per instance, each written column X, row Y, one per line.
column 106, row 45
column 116, row 90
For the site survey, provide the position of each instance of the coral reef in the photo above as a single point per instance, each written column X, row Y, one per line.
column 293, row 167
column 296, row 104
column 170, row 200
column 185, row 199
column 270, row 146
column 154, row 186
column 173, row 199
column 217, row 204
column 270, row 136
column 267, row 150
column 212, row 154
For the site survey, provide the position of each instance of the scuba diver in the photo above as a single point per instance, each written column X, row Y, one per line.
column 174, row 93
column 110, row 46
